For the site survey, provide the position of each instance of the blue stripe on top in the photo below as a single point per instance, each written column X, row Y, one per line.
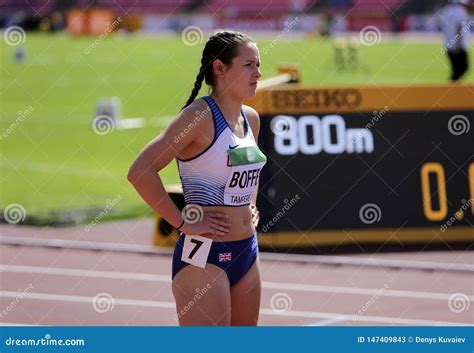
column 198, row 190
column 247, row 124
column 219, row 117
column 219, row 121
column 220, row 124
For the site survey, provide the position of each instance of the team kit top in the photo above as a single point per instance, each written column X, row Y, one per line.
column 226, row 173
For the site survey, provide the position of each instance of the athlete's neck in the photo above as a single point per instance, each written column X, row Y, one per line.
column 229, row 105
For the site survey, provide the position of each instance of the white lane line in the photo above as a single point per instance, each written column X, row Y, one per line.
column 83, row 273
column 382, row 292
column 364, row 318
column 323, row 259
column 84, row 245
column 361, row 261
column 87, row 300
column 327, row 321
column 171, row 305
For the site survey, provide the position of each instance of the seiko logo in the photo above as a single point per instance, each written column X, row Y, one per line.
column 321, row 98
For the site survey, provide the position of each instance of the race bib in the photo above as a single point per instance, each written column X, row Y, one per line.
column 245, row 165
column 196, row 250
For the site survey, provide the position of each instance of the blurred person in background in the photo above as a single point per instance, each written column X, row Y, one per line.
column 456, row 25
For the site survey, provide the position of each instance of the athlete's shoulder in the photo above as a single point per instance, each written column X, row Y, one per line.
column 191, row 123
column 198, row 108
column 197, row 113
column 251, row 113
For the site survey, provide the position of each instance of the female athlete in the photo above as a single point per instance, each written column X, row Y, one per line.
column 216, row 278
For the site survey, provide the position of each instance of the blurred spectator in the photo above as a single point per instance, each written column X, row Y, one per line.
column 456, row 26
column 57, row 21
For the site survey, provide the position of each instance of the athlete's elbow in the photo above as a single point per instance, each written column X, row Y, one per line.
column 140, row 173
column 134, row 173
column 132, row 176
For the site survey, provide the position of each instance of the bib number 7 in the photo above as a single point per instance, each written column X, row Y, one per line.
column 196, row 250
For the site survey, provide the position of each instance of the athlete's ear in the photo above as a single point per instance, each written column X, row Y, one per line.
column 219, row 68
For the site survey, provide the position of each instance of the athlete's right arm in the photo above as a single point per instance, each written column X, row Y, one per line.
column 156, row 155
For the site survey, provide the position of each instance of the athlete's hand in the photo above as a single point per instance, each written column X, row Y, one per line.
column 255, row 215
column 212, row 223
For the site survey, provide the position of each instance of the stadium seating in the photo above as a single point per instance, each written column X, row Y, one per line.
column 206, row 6
column 368, row 6
column 124, row 7
column 250, row 6
column 132, row 7
column 31, row 8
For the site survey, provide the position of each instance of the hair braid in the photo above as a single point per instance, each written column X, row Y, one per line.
column 196, row 88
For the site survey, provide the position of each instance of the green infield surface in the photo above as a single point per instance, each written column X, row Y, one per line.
column 51, row 159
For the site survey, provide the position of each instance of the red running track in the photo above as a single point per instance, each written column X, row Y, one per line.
column 57, row 286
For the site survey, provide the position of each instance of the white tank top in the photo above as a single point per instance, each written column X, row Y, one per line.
column 227, row 172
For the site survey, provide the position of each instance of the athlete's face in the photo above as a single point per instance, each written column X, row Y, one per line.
column 242, row 76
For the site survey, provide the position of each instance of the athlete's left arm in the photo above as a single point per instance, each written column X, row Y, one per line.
column 254, row 121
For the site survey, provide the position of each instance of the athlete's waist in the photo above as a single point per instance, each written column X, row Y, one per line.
column 240, row 218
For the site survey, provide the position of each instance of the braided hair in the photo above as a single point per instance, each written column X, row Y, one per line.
column 223, row 45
